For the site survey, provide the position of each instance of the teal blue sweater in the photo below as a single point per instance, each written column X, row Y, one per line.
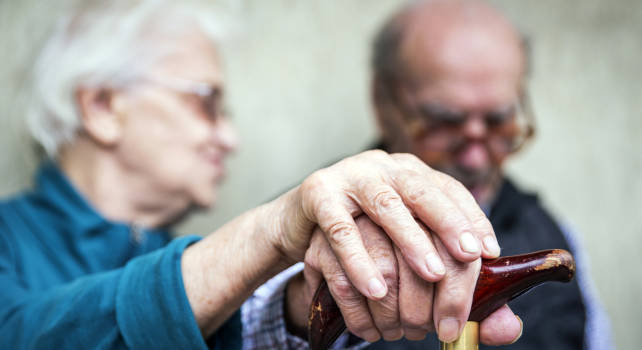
column 70, row 279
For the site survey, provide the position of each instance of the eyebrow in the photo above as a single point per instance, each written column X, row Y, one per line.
column 438, row 108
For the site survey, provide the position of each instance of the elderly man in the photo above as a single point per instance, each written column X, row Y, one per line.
column 127, row 104
column 449, row 87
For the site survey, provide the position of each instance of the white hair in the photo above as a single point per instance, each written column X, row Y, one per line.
column 103, row 44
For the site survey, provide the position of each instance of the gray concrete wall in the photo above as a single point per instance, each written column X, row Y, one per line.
column 298, row 86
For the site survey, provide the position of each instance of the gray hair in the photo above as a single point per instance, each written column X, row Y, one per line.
column 102, row 44
column 386, row 49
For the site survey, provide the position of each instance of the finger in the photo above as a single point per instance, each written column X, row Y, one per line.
column 454, row 295
column 502, row 327
column 351, row 303
column 330, row 211
column 422, row 190
column 415, row 301
column 386, row 207
column 385, row 312
column 481, row 227
column 312, row 269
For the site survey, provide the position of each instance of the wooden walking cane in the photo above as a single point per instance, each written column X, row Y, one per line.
column 500, row 280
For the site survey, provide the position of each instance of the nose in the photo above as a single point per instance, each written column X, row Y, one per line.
column 225, row 136
column 475, row 127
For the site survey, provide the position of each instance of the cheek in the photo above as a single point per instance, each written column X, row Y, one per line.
column 164, row 150
column 500, row 148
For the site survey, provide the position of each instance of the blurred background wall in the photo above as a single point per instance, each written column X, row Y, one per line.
column 298, row 88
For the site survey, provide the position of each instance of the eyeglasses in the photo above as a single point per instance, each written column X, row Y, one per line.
column 513, row 122
column 206, row 98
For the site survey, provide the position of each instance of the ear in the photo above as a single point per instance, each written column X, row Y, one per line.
column 98, row 114
column 380, row 101
column 389, row 116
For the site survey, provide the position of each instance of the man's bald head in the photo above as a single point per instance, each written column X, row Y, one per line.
column 435, row 29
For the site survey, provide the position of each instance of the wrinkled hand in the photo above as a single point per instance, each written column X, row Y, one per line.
column 396, row 192
column 413, row 306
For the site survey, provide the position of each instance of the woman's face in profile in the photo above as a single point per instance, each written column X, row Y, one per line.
column 175, row 133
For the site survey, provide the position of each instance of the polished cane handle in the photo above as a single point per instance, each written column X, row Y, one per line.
column 500, row 280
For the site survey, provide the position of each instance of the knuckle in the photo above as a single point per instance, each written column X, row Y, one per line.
column 409, row 159
column 314, row 187
column 339, row 232
column 418, row 189
column 392, row 335
column 376, row 154
column 360, row 157
column 385, row 200
column 417, row 193
column 404, row 156
column 357, row 322
column 315, row 182
column 457, row 299
column 416, row 320
column 387, row 315
column 343, row 290
column 358, row 326
column 375, row 158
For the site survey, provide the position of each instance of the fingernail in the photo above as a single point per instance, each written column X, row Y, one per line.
column 491, row 246
column 521, row 329
column 376, row 288
column 448, row 329
column 468, row 243
column 434, row 264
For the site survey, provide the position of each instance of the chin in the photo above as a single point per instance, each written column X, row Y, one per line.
column 204, row 197
column 204, row 203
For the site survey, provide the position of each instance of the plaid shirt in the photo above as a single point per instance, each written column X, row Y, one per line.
column 263, row 321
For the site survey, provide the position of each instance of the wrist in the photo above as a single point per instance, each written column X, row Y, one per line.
column 221, row 271
column 265, row 240
column 290, row 230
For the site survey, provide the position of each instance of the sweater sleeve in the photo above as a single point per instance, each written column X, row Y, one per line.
column 597, row 332
column 140, row 306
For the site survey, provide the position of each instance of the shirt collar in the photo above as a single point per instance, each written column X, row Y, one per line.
column 55, row 190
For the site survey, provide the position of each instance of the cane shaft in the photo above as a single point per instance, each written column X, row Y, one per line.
column 468, row 340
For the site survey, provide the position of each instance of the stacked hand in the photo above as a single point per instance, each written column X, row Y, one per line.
column 398, row 243
column 407, row 264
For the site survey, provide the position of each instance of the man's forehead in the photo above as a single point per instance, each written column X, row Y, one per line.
column 443, row 40
column 467, row 95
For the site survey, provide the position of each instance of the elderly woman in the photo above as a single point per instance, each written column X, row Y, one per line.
column 136, row 136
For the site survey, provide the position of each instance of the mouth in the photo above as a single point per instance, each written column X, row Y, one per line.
column 473, row 156
column 217, row 162
column 471, row 165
